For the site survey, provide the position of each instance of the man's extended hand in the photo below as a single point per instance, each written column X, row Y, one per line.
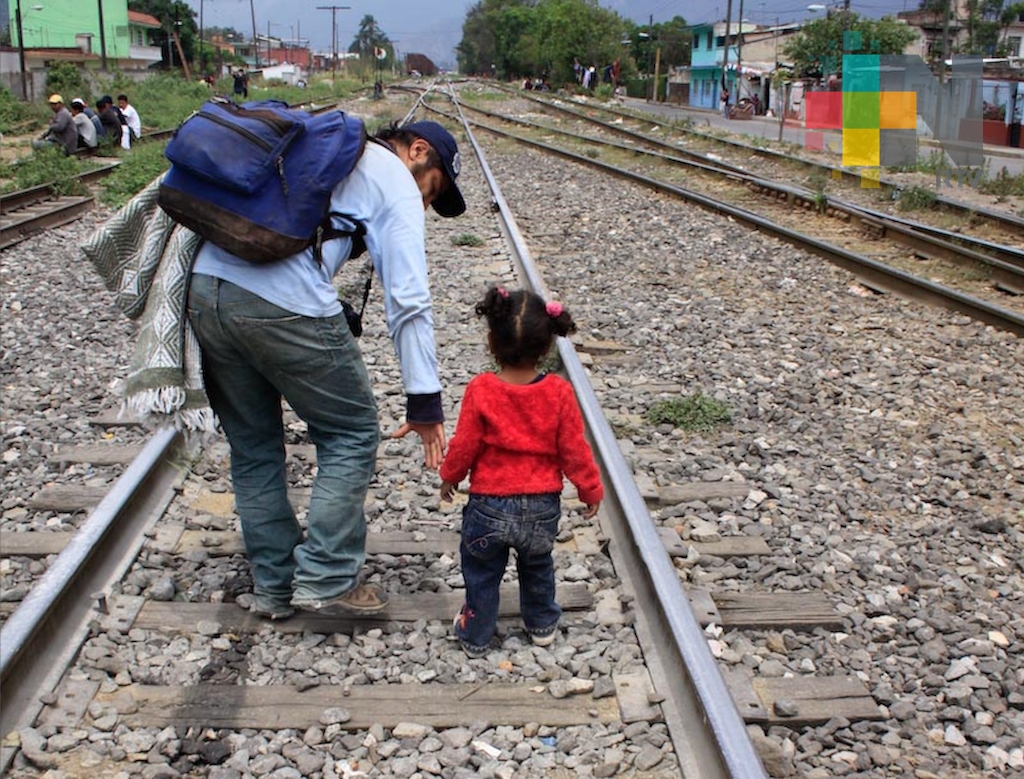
column 433, row 439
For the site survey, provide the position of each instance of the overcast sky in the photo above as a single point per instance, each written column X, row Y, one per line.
column 434, row 27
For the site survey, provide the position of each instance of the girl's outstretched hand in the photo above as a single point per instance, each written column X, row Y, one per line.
column 591, row 510
column 447, row 491
column 433, row 439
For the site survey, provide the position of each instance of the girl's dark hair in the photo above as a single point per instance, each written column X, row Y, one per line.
column 393, row 133
column 522, row 329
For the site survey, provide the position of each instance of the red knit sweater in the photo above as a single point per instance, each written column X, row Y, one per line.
column 518, row 439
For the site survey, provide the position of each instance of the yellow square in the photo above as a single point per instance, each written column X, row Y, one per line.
column 870, row 178
column 898, row 111
column 837, row 173
column 860, row 148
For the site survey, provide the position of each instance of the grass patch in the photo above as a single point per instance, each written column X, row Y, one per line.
column 936, row 160
column 695, row 412
column 1004, row 185
column 467, row 239
column 916, row 198
column 48, row 165
column 138, row 167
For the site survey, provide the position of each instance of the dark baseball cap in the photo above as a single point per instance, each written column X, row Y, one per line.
column 449, row 203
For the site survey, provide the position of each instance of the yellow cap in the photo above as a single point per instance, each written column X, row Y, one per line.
column 56, row 99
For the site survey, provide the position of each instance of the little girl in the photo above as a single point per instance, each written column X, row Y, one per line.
column 518, row 432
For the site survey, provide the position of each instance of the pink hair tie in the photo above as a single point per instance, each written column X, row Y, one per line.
column 554, row 309
column 503, row 292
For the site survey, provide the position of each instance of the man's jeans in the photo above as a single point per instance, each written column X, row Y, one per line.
column 490, row 527
column 253, row 354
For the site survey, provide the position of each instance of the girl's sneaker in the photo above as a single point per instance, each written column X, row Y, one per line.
column 469, row 649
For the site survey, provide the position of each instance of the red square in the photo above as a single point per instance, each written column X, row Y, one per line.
column 824, row 110
column 814, row 141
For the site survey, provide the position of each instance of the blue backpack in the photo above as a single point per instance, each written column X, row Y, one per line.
column 256, row 179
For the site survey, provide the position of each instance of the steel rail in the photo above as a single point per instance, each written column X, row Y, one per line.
column 1005, row 263
column 873, row 273
column 21, row 198
column 25, row 224
column 41, row 638
column 1008, row 221
column 707, row 730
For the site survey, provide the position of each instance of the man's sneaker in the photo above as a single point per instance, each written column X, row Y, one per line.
column 265, row 606
column 543, row 639
column 361, row 600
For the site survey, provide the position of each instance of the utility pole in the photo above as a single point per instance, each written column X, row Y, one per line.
column 21, row 50
column 739, row 57
column 103, row 38
column 725, row 56
column 255, row 37
column 202, row 51
column 334, row 33
column 181, row 52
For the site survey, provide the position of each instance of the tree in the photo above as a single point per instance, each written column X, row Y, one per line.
column 817, row 49
column 576, row 28
column 515, row 38
column 675, row 39
column 369, row 39
column 173, row 15
column 486, row 23
column 987, row 25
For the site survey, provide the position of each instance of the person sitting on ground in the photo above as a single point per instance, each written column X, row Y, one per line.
column 62, row 131
column 131, row 121
column 519, row 431
column 83, row 124
column 101, row 131
column 109, row 119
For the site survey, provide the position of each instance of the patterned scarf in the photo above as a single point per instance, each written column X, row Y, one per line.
column 145, row 258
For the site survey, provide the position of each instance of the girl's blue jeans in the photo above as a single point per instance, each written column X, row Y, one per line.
column 491, row 526
column 255, row 353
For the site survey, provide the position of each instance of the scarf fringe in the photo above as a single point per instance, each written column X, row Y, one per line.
column 163, row 405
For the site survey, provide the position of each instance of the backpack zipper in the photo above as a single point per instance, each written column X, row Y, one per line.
column 250, row 136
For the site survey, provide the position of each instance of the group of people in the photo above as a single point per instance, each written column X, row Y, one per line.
column 80, row 127
column 588, row 78
column 277, row 332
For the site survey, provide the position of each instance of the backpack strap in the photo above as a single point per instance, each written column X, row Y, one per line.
column 327, row 231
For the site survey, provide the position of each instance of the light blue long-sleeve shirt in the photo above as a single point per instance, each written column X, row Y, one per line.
column 383, row 195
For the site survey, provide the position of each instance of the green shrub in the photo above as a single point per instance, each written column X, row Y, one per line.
column 15, row 112
column 916, row 198
column 694, row 413
column 1004, row 185
column 66, row 80
column 48, row 165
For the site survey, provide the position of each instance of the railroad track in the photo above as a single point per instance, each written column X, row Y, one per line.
column 1001, row 266
column 678, row 684
column 1007, row 224
column 231, row 672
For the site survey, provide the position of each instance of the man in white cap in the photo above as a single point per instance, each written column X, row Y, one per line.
column 83, row 124
column 62, row 131
column 276, row 331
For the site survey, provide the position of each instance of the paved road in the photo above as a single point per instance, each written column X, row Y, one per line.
column 996, row 157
